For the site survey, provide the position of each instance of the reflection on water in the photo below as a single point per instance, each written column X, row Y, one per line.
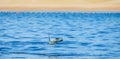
column 86, row 35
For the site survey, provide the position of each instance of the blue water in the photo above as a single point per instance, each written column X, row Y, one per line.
column 25, row 35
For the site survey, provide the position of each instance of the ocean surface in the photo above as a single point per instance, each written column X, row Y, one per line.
column 24, row 35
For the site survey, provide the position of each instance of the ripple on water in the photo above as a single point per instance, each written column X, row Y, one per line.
column 69, row 36
column 103, row 32
column 2, row 29
column 90, row 37
column 101, row 49
column 25, row 43
column 100, row 45
column 71, row 47
column 33, row 48
column 5, row 49
column 67, row 42
column 117, row 43
column 85, row 43
column 20, row 57
column 114, row 29
column 8, row 36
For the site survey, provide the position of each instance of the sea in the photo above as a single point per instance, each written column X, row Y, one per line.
column 86, row 35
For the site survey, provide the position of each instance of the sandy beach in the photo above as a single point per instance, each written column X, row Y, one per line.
column 79, row 5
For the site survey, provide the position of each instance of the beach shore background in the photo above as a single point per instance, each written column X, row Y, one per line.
column 60, row 5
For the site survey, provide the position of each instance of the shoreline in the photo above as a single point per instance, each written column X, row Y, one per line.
column 48, row 11
column 59, row 8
